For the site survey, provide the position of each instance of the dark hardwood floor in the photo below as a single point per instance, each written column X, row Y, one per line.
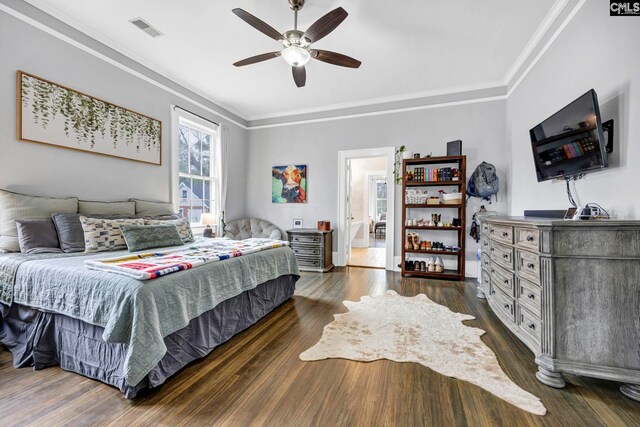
column 257, row 379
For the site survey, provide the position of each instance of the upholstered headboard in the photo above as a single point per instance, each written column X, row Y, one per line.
column 251, row 227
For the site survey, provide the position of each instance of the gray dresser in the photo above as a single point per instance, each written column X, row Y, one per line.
column 570, row 291
column 313, row 248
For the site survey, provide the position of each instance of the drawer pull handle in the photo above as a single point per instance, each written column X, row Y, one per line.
column 531, row 265
column 492, row 249
column 505, row 281
column 486, row 263
column 505, row 234
column 486, row 244
column 531, row 296
column 529, row 238
column 506, row 306
column 505, row 256
column 493, row 292
column 531, row 326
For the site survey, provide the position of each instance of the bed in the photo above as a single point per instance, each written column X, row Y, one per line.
column 130, row 334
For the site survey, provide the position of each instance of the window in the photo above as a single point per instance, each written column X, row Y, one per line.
column 196, row 178
column 381, row 198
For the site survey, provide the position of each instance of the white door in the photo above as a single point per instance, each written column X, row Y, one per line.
column 348, row 214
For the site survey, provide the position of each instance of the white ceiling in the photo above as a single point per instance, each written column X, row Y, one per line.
column 408, row 49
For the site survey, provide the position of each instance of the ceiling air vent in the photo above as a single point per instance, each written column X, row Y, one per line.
column 146, row 27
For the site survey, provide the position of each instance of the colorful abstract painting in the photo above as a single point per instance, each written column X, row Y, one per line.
column 289, row 184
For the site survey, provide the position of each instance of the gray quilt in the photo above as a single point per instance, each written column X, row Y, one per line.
column 139, row 314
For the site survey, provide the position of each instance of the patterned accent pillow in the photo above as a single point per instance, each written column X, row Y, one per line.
column 181, row 224
column 104, row 234
column 141, row 237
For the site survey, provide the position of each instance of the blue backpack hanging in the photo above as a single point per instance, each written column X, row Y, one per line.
column 484, row 182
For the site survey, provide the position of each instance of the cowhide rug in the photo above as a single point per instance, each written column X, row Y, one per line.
column 418, row 330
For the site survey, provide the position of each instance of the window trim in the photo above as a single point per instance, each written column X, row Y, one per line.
column 180, row 117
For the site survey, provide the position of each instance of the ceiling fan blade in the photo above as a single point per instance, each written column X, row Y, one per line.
column 257, row 58
column 326, row 24
column 335, row 58
column 299, row 75
column 258, row 24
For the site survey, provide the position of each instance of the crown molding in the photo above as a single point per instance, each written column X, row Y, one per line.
column 538, row 44
column 180, row 80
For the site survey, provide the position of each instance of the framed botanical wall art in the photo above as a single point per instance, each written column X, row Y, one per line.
column 53, row 114
column 289, row 184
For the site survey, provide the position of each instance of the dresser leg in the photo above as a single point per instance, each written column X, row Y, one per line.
column 632, row 391
column 550, row 378
column 480, row 291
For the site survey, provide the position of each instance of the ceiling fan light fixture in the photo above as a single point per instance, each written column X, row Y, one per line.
column 296, row 56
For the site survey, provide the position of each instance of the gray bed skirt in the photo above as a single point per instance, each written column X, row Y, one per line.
column 41, row 339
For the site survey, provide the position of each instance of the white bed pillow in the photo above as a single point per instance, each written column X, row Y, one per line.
column 20, row 206
column 104, row 234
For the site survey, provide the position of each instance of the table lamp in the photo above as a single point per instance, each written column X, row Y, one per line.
column 207, row 219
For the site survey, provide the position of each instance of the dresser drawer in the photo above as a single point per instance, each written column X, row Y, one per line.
column 304, row 239
column 486, row 282
column 502, row 233
column 484, row 243
column 528, row 265
column 503, row 305
column 530, row 325
column 501, row 254
column 309, row 251
column 502, row 279
column 484, row 228
column 309, row 262
column 528, row 238
column 529, row 296
column 486, row 262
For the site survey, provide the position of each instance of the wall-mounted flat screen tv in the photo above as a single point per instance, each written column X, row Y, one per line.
column 571, row 142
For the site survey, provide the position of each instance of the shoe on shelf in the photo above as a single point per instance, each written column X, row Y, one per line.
column 439, row 265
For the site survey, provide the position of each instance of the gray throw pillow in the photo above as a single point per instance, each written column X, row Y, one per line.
column 37, row 236
column 70, row 232
column 141, row 237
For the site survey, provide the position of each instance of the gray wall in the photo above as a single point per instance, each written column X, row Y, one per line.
column 481, row 126
column 594, row 51
column 45, row 170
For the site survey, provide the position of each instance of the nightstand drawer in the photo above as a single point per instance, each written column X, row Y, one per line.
column 501, row 254
column 502, row 233
column 306, row 239
column 309, row 262
column 309, row 251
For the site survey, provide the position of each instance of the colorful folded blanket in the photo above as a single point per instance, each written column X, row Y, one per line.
column 147, row 266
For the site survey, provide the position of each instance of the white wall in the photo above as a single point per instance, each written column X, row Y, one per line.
column 593, row 51
column 360, row 168
column 45, row 170
column 481, row 126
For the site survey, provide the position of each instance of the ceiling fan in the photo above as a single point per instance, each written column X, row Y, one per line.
column 296, row 44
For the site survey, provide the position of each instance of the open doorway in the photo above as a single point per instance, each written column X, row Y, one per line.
column 368, row 212
column 365, row 218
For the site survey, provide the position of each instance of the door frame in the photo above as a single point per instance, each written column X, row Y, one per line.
column 390, row 154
